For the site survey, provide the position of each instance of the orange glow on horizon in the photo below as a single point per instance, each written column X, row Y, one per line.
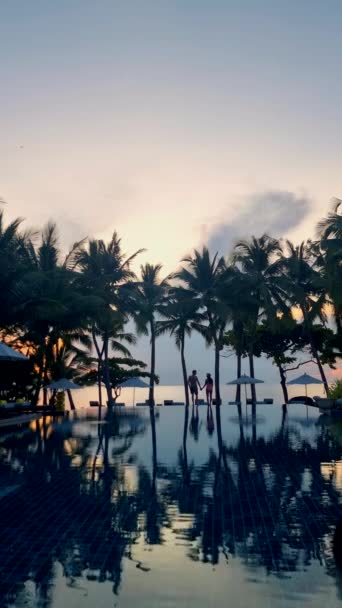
column 337, row 373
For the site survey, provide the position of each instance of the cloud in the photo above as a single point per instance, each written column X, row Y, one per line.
column 275, row 212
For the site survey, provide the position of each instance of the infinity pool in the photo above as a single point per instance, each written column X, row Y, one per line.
column 184, row 509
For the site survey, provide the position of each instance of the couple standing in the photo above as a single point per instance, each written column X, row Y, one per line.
column 194, row 383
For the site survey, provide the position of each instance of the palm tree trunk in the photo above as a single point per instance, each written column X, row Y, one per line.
column 238, row 386
column 106, row 376
column 45, row 377
column 254, row 435
column 99, row 366
column 251, row 371
column 217, row 375
column 239, row 409
column 320, row 366
column 313, row 348
column 153, row 364
column 99, row 372
column 185, row 375
column 71, row 401
column 35, row 397
column 52, row 401
column 283, row 382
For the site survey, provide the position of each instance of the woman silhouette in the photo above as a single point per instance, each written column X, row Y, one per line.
column 209, row 385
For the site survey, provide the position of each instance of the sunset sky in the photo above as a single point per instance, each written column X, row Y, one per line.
column 174, row 122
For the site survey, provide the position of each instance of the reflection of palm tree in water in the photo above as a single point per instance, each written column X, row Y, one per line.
column 337, row 552
column 153, row 509
column 185, row 451
column 250, row 510
column 210, row 420
column 195, row 424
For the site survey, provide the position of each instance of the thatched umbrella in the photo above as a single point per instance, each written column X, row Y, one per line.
column 67, row 386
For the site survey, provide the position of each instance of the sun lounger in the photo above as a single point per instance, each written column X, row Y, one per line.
column 7, row 407
column 325, row 404
column 302, row 399
column 12, row 405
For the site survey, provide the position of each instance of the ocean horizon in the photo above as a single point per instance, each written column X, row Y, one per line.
column 176, row 393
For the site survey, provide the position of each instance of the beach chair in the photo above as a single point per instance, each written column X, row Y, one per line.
column 22, row 405
column 94, row 404
column 168, row 402
column 116, row 404
column 303, row 399
column 324, row 403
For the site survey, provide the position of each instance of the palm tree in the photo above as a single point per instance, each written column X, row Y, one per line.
column 51, row 309
column 331, row 226
column 147, row 299
column 112, row 324
column 257, row 259
column 329, row 258
column 304, row 288
column 202, row 275
column 279, row 341
column 13, row 265
column 180, row 316
column 327, row 261
column 235, row 292
column 105, row 271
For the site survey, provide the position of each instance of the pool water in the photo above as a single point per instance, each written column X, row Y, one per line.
column 183, row 508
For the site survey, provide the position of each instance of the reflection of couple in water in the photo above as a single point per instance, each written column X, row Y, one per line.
column 195, row 423
column 194, row 385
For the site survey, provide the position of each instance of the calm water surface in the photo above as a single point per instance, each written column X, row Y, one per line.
column 172, row 510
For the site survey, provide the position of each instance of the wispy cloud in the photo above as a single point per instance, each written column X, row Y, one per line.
column 275, row 212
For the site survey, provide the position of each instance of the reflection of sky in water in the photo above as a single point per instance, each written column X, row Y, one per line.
column 247, row 518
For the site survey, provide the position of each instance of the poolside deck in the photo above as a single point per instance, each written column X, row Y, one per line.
column 17, row 420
